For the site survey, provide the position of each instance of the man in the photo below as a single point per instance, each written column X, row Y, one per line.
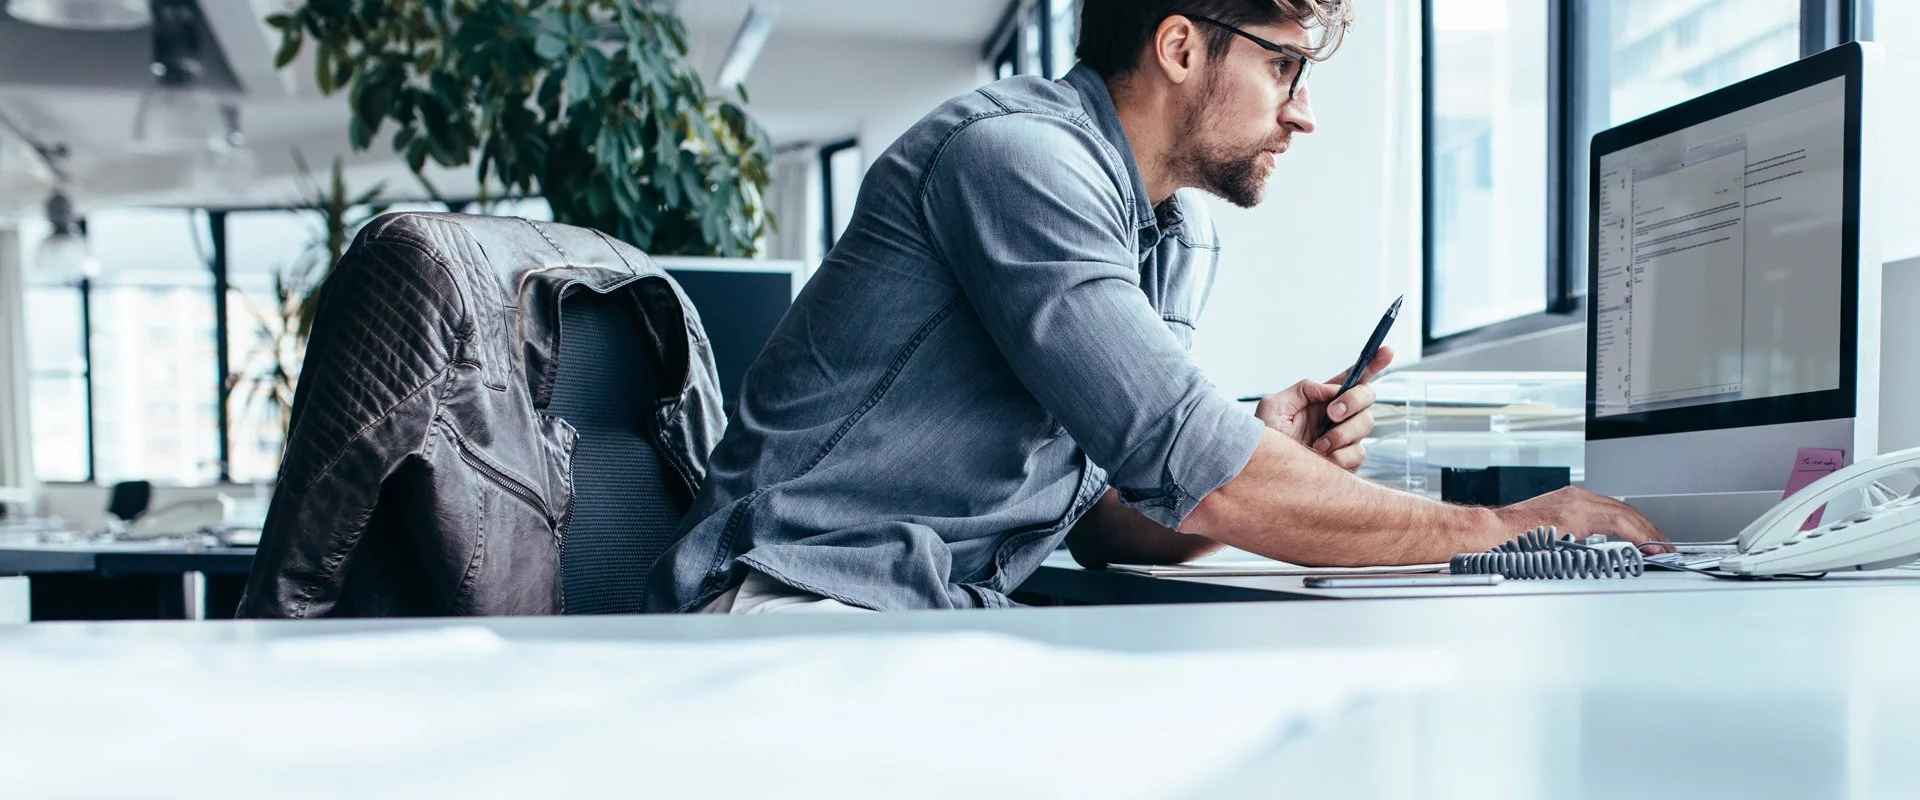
column 995, row 355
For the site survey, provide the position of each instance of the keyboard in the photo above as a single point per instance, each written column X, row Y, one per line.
column 1697, row 557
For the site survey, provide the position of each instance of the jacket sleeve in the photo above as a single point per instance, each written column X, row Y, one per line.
column 384, row 336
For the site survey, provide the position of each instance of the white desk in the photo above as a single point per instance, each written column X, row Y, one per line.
column 1061, row 580
column 1679, row 694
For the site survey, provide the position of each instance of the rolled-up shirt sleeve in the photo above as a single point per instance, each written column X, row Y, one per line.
column 1026, row 211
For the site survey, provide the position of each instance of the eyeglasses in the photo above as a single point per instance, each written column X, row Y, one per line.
column 1291, row 70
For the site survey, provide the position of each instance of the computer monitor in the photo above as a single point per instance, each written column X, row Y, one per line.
column 740, row 302
column 1734, row 284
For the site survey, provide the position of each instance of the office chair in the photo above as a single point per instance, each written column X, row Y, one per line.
column 129, row 499
column 424, row 460
column 625, row 510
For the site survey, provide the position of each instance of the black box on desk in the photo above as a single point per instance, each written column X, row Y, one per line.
column 1499, row 486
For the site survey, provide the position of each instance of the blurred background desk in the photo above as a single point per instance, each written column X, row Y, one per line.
column 100, row 581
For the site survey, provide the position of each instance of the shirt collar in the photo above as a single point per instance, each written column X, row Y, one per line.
column 1106, row 118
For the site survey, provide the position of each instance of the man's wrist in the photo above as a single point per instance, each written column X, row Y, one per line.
column 1473, row 527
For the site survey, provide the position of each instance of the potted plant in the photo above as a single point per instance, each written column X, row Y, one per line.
column 590, row 104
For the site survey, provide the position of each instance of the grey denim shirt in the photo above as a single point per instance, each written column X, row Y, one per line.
column 1000, row 335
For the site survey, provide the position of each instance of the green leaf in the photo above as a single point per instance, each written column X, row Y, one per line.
column 597, row 70
column 359, row 133
column 579, row 87
column 417, row 155
column 549, row 46
column 290, row 42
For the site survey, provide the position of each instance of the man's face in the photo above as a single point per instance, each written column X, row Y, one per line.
column 1240, row 116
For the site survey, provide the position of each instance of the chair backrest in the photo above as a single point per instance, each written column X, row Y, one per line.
column 626, row 511
column 129, row 499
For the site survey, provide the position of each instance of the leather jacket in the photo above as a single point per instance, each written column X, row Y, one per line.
column 421, row 476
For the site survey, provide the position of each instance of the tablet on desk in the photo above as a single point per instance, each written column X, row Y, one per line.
column 1398, row 581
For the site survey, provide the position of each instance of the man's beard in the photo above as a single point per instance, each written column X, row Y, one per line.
column 1231, row 173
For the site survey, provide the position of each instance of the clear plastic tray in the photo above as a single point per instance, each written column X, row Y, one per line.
column 1424, row 421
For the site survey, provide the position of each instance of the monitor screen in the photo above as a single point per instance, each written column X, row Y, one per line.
column 1719, row 261
column 739, row 309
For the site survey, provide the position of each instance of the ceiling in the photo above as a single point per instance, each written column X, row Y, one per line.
column 82, row 89
column 953, row 21
column 92, row 59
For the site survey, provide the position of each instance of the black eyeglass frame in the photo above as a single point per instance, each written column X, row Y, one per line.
column 1306, row 64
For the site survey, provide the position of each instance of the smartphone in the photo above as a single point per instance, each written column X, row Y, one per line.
column 1399, row 581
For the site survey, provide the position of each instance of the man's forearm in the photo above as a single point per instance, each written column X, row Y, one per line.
column 1112, row 533
column 1291, row 504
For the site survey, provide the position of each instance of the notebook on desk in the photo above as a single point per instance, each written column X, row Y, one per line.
column 1232, row 563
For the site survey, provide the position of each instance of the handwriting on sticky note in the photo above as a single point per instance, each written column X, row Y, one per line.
column 1809, row 465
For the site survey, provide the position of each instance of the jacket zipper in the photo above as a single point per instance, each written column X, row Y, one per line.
column 500, row 478
column 562, row 528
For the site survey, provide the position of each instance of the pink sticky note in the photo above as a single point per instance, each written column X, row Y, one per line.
column 1809, row 465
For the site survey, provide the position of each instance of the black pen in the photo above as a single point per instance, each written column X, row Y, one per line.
column 1366, row 357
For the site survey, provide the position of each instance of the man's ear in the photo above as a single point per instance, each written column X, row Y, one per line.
column 1177, row 48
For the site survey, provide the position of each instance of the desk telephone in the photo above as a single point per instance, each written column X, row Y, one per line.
column 1877, row 527
column 1873, row 527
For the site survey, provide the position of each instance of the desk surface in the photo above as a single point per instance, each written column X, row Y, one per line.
column 1738, row 693
column 1062, row 579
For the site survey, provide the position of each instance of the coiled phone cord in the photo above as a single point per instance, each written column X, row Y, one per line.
column 1542, row 553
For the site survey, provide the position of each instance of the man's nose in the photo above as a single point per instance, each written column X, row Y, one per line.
column 1296, row 114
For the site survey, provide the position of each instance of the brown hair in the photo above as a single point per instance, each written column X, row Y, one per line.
column 1113, row 33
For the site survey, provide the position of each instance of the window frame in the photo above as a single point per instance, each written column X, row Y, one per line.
column 1007, row 45
column 216, row 217
column 828, row 234
column 1570, row 106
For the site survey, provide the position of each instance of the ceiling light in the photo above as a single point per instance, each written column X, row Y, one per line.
column 64, row 257
column 747, row 43
column 83, row 15
column 178, row 113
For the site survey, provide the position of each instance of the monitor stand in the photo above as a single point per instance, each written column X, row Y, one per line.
column 1710, row 517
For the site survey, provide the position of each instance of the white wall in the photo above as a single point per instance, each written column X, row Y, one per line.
column 1900, row 357
column 1897, row 26
column 16, row 468
column 1305, row 276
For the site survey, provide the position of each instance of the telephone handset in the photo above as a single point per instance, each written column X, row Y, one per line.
column 1871, row 527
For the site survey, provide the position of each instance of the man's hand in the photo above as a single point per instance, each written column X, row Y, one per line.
column 1581, row 513
column 1299, row 411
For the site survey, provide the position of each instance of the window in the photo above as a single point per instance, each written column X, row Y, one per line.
column 151, row 318
column 1064, row 30
column 1488, row 157
column 176, row 363
column 1645, row 55
column 842, row 166
column 271, row 266
column 57, row 382
column 1515, row 91
column 1035, row 37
